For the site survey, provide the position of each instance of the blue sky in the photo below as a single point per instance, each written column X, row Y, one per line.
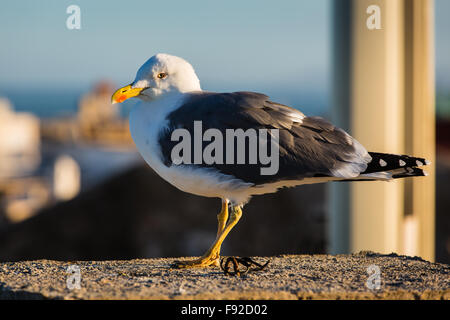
column 230, row 43
column 269, row 46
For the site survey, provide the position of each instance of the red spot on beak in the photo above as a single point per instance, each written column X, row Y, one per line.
column 121, row 98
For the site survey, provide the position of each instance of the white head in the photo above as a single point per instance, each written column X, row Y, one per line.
column 160, row 75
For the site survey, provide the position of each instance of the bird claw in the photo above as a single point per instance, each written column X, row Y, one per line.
column 245, row 261
column 197, row 263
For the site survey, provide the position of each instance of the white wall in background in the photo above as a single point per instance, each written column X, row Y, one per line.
column 19, row 141
column 66, row 178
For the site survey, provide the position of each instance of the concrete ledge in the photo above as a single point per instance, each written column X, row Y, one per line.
column 286, row 277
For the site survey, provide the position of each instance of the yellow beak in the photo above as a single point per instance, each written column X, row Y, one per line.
column 125, row 93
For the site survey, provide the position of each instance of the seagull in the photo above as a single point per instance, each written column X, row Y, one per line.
column 308, row 149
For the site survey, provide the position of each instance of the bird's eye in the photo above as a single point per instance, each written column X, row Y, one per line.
column 162, row 75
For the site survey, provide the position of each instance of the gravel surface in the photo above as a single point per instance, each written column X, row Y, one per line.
column 286, row 277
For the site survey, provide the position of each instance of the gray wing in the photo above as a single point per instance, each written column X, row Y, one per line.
column 308, row 146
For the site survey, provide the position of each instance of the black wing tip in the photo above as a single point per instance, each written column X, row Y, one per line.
column 387, row 162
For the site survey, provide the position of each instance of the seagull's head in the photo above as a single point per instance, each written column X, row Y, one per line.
column 160, row 75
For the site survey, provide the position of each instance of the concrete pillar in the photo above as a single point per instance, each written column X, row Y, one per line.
column 377, row 71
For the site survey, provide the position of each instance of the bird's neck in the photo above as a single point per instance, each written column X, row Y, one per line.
column 163, row 104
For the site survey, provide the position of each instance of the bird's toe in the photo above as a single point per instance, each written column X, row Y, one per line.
column 197, row 263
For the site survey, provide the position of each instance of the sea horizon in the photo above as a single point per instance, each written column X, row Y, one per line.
column 54, row 103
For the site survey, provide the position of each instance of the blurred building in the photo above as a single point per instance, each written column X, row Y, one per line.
column 97, row 121
column 20, row 156
column 44, row 161
column 96, row 110
column 19, row 141
column 24, row 185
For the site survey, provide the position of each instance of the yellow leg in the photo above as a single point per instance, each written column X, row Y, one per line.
column 222, row 217
column 211, row 257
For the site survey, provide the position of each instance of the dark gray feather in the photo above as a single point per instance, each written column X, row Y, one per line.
column 309, row 148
